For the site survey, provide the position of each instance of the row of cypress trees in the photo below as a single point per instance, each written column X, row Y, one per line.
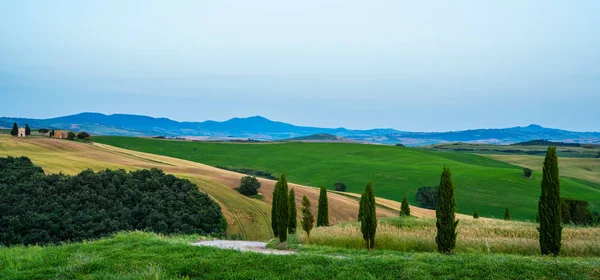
column 284, row 211
column 15, row 130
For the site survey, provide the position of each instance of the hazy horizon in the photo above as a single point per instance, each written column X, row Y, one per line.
column 433, row 66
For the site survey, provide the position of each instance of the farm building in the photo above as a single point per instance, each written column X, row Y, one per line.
column 21, row 132
column 61, row 134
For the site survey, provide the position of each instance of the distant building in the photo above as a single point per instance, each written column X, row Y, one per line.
column 61, row 134
column 21, row 132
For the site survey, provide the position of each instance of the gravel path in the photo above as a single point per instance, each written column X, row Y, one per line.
column 246, row 246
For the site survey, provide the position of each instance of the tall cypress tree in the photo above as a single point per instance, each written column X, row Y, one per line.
column 506, row 215
column 323, row 214
column 283, row 210
column 445, row 217
column 404, row 208
column 549, row 207
column 27, row 130
column 274, row 207
column 293, row 223
column 15, row 130
column 368, row 216
column 308, row 219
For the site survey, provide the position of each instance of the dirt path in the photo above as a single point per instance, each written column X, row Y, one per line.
column 244, row 246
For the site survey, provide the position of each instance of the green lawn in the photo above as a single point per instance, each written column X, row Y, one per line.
column 139, row 255
column 481, row 183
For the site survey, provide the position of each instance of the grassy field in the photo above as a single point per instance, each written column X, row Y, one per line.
column 482, row 183
column 474, row 236
column 139, row 255
column 247, row 218
column 585, row 151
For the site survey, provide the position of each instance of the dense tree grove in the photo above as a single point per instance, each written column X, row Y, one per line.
column 404, row 208
column 323, row 210
column 428, row 197
column 40, row 209
column 549, row 207
column 249, row 185
column 368, row 216
column 445, row 214
column 293, row 223
column 280, row 209
column 308, row 219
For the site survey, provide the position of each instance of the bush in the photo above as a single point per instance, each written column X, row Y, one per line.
column 83, row 135
column 249, row 186
column 576, row 211
column 527, row 172
column 71, row 135
column 475, row 215
column 427, row 197
column 48, row 209
column 340, row 187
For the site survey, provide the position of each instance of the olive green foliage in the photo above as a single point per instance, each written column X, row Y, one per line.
column 280, row 209
column 39, row 209
column 15, row 130
column 475, row 215
column 576, row 211
column 428, row 197
column 308, row 219
column 404, row 208
column 249, row 186
column 506, row 215
column 293, row 223
column 323, row 211
column 71, row 135
column 368, row 216
column 445, row 214
column 27, row 130
column 549, row 207
column 83, row 135
column 527, row 172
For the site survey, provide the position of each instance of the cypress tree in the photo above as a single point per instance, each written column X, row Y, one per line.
column 274, row 207
column 308, row 219
column 404, row 208
column 360, row 208
column 323, row 213
column 445, row 222
column 282, row 209
column 27, row 130
column 475, row 215
column 550, row 215
column 15, row 130
column 506, row 215
column 293, row 223
column 368, row 216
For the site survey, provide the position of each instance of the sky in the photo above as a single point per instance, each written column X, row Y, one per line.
column 408, row 65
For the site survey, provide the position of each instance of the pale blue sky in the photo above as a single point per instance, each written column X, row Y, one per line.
column 409, row 65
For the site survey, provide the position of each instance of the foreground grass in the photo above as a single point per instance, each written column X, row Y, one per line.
column 474, row 236
column 482, row 183
column 140, row 255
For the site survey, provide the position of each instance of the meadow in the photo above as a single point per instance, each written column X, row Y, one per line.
column 139, row 255
column 483, row 184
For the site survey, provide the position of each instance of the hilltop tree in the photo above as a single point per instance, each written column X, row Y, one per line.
column 280, row 209
column 27, row 130
column 83, row 135
column 71, row 136
column 445, row 214
column 249, row 185
column 527, row 172
column 323, row 213
column 15, row 130
column 293, row 223
column 368, row 216
column 43, row 131
column 308, row 219
column 506, row 215
column 475, row 214
column 549, row 207
column 404, row 208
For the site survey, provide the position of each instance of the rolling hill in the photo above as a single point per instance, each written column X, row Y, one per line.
column 485, row 184
column 264, row 129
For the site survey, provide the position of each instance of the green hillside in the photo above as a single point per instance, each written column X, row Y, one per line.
column 482, row 183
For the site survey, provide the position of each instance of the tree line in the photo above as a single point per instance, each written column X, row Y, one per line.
column 550, row 210
column 36, row 208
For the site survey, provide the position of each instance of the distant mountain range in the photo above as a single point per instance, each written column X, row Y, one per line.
column 260, row 128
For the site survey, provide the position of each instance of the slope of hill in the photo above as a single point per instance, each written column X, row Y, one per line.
column 264, row 129
column 484, row 184
column 247, row 218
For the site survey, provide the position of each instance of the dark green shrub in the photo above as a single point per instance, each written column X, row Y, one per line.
column 427, row 197
column 249, row 186
column 71, row 136
column 404, row 208
column 475, row 215
column 506, row 215
column 527, row 172
column 340, row 187
column 83, row 135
